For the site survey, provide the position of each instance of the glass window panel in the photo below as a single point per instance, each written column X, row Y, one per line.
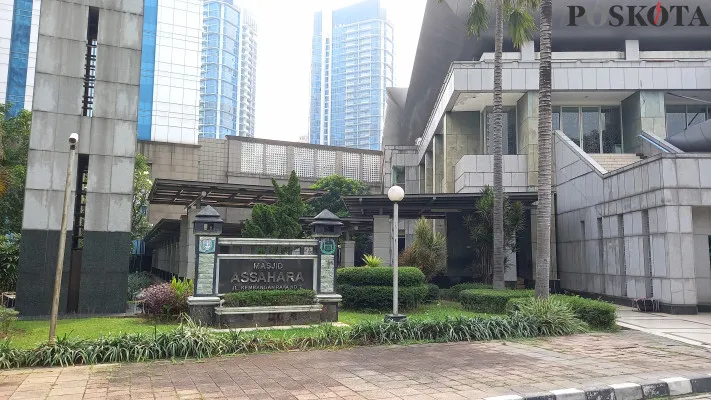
column 510, row 124
column 591, row 129
column 556, row 118
column 695, row 115
column 676, row 119
column 571, row 123
column 611, row 130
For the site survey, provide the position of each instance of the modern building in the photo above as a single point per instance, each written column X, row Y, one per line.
column 351, row 65
column 631, row 114
column 229, row 69
column 86, row 81
column 169, row 97
column 19, row 22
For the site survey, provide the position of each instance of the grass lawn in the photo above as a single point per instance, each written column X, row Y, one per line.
column 27, row 334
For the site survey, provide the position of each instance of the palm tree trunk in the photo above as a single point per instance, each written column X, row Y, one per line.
column 545, row 127
column 498, row 267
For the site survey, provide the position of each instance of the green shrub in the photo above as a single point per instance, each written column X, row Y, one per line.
column 8, row 317
column 137, row 282
column 379, row 276
column 459, row 288
column 448, row 294
column 428, row 251
column 9, row 259
column 488, row 300
column 255, row 298
column 554, row 316
column 596, row 313
column 381, row 297
column 432, row 292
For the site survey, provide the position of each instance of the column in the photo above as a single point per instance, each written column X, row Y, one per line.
column 348, row 256
column 527, row 111
column 643, row 111
column 461, row 137
column 382, row 237
column 429, row 171
column 438, row 158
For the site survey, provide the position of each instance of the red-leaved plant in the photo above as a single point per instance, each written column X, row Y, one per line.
column 164, row 300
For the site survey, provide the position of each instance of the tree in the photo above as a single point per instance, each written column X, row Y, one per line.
column 335, row 186
column 281, row 219
column 521, row 26
column 545, row 137
column 480, row 225
column 428, row 251
column 142, row 185
column 14, row 146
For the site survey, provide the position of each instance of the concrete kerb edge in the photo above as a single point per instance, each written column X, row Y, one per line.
column 665, row 387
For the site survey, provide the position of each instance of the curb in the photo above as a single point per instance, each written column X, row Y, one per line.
column 665, row 387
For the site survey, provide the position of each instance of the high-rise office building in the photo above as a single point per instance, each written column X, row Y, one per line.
column 19, row 26
column 352, row 64
column 169, row 94
column 229, row 69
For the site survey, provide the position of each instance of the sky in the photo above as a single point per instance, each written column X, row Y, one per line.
column 284, row 29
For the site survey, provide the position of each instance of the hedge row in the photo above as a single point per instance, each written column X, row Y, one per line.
column 597, row 314
column 379, row 276
column 381, row 297
column 490, row 301
column 255, row 298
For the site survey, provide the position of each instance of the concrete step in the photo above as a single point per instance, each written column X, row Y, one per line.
column 613, row 162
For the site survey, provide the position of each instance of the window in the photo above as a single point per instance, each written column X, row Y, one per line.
column 594, row 129
column 680, row 117
column 509, row 130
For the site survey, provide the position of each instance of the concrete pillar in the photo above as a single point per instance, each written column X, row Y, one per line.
column 421, row 177
column 643, row 111
column 382, row 237
column 511, row 273
column 348, row 253
column 429, row 172
column 461, row 137
column 438, row 158
column 527, row 113
column 190, row 246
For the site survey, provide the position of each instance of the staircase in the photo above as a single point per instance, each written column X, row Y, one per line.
column 612, row 162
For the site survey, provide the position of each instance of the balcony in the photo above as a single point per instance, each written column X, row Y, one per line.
column 473, row 172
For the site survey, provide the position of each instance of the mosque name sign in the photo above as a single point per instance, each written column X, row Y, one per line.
column 236, row 275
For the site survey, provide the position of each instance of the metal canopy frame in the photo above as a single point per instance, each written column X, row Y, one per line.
column 431, row 206
column 187, row 193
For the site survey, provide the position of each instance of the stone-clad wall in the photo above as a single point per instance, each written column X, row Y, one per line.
column 642, row 220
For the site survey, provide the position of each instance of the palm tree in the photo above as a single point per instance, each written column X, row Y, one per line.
column 545, row 127
column 521, row 26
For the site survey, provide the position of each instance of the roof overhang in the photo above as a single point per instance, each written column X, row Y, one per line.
column 187, row 193
column 431, row 206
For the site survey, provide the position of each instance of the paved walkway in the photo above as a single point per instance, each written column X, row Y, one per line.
column 691, row 329
column 432, row 371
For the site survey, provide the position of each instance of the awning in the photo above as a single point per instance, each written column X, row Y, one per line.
column 186, row 193
column 431, row 206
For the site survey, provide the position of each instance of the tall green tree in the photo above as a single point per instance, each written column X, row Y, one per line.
column 142, row 185
column 14, row 146
column 516, row 15
column 281, row 219
column 545, row 138
column 335, row 186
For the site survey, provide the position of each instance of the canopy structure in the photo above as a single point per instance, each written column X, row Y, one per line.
column 187, row 193
column 431, row 206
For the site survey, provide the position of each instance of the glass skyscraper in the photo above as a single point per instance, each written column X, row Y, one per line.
column 228, row 73
column 169, row 92
column 198, row 71
column 352, row 64
column 19, row 27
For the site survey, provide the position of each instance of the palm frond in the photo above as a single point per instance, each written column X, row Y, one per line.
column 520, row 23
column 478, row 20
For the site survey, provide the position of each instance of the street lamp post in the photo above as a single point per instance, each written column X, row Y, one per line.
column 395, row 194
column 73, row 139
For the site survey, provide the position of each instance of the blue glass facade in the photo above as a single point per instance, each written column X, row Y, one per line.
column 148, row 65
column 227, row 57
column 354, row 65
column 19, row 55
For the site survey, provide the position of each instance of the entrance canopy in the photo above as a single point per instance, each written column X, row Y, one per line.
column 186, row 193
column 431, row 206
